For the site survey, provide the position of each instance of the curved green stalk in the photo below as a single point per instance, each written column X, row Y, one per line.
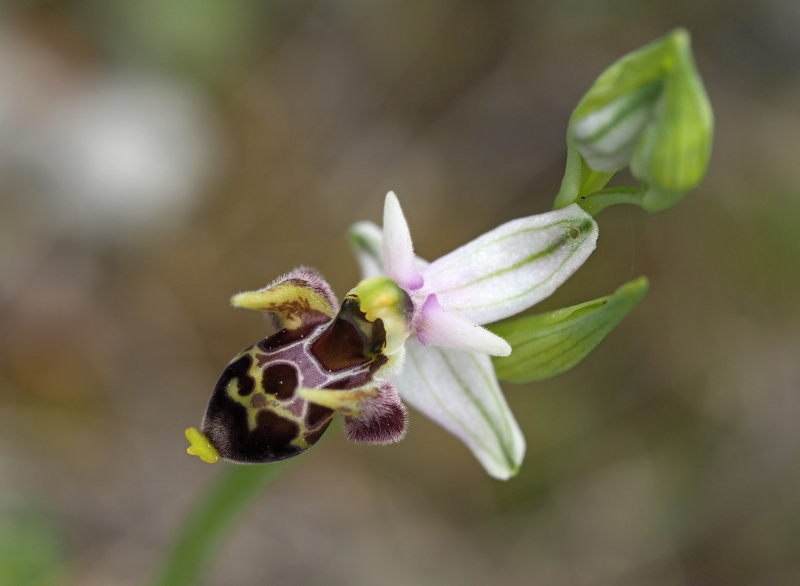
column 211, row 519
column 596, row 202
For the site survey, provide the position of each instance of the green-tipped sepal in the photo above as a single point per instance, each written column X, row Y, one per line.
column 648, row 111
column 548, row 344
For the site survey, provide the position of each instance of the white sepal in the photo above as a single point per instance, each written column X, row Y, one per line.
column 514, row 266
column 398, row 250
column 459, row 391
column 366, row 240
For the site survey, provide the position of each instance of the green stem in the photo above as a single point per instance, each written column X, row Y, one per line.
column 579, row 179
column 211, row 519
column 600, row 200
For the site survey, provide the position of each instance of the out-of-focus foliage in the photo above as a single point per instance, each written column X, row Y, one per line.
column 156, row 158
column 31, row 551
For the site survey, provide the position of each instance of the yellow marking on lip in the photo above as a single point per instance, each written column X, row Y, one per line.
column 347, row 402
column 200, row 446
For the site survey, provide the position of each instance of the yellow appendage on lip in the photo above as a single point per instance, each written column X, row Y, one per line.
column 200, row 446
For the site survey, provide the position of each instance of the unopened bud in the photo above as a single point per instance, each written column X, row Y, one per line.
column 648, row 111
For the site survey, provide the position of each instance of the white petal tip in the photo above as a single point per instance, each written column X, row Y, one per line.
column 504, row 474
column 502, row 348
column 398, row 250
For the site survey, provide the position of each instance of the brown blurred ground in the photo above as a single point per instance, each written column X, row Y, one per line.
column 671, row 456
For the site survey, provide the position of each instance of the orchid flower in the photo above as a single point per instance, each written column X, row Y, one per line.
column 448, row 374
column 409, row 330
column 412, row 332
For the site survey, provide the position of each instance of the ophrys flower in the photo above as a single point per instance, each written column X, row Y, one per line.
column 276, row 398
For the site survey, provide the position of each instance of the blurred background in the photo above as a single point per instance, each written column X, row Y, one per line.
column 157, row 157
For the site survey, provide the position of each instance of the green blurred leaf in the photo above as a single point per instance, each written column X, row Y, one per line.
column 550, row 343
column 31, row 550
column 208, row 40
column 212, row 518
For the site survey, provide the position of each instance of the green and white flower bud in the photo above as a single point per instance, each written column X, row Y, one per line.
column 648, row 111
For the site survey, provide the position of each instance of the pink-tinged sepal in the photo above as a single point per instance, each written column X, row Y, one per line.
column 382, row 419
column 398, row 250
column 439, row 326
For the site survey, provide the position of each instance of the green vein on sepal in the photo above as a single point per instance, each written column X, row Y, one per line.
column 548, row 250
column 548, row 344
column 583, row 228
column 502, row 457
column 456, row 260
